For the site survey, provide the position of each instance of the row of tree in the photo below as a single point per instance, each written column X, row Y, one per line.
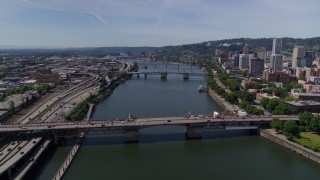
column 309, row 122
column 250, row 109
column 277, row 106
column 289, row 128
column 236, row 94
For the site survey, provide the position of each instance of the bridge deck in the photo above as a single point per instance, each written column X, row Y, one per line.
column 139, row 123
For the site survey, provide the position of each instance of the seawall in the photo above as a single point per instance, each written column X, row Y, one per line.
column 217, row 98
column 282, row 140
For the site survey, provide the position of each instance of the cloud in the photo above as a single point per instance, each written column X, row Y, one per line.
column 99, row 18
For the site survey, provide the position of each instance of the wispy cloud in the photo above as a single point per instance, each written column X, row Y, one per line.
column 155, row 22
column 99, row 18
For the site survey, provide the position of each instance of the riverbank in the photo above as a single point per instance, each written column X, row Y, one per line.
column 283, row 141
column 221, row 102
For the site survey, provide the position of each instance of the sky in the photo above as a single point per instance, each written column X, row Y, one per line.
column 105, row 23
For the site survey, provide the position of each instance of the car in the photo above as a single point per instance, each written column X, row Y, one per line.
column 49, row 126
column 21, row 152
column 1, row 153
column 208, row 120
column 31, row 159
column 9, row 149
column 103, row 125
column 169, row 120
column 19, row 147
column 91, row 123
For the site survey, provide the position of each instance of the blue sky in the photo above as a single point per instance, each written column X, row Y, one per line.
column 92, row 23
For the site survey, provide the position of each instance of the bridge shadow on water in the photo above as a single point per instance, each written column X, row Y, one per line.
column 145, row 138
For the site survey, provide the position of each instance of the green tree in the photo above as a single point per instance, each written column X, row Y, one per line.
column 291, row 129
column 305, row 118
column 277, row 124
column 231, row 97
column 265, row 102
column 314, row 124
column 281, row 109
column 272, row 105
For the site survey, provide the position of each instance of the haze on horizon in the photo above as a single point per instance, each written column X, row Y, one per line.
column 96, row 23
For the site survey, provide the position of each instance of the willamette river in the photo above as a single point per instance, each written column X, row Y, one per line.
column 162, row 152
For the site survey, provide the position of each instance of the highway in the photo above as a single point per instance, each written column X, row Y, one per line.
column 32, row 160
column 53, row 110
column 17, row 153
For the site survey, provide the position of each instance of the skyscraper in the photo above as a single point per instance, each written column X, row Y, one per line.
column 256, row 66
column 244, row 61
column 297, row 55
column 277, row 46
column 245, row 49
column 276, row 62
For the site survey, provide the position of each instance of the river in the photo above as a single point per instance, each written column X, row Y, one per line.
column 163, row 152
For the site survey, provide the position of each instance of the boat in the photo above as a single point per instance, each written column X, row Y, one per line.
column 202, row 89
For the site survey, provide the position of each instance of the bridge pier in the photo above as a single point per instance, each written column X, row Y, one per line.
column 163, row 75
column 193, row 131
column 131, row 135
column 145, row 75
column 185, row 76
column 9, row 173
column 56, row 139
column 138, row 75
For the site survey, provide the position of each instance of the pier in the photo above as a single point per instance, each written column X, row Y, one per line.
column 63, row 168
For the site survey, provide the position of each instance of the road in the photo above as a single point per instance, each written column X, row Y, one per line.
column 137, row 122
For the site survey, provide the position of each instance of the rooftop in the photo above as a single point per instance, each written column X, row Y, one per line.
column 303, row 103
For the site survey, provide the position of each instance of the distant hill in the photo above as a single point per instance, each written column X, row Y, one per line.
column 255, row 44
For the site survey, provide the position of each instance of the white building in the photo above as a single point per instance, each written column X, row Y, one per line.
column 298, row 53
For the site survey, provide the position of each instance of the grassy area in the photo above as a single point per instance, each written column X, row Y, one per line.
column 309, row 140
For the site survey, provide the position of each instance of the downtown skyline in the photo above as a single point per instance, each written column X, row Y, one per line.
column 98, row 23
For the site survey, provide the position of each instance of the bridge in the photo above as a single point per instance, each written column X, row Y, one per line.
column 164, row 74
column 130, row 128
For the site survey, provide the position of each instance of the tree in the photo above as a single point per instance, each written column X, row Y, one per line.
column 265, row 102
column 305, row 118
column 281, row 109
column 231, row 97
column 272, row 105
column 291, row 129
column 277, row 124
column 314, row 124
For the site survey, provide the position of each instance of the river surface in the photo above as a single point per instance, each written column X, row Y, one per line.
column 162, row 152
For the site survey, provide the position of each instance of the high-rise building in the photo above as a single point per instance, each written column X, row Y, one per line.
column 277, row 46
column 309, row 56
column 256, row 66
column 236, row 60
column 276, row 62
column 262, row 55
column 297, row 55
column 244, row 61
column 245, row 49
